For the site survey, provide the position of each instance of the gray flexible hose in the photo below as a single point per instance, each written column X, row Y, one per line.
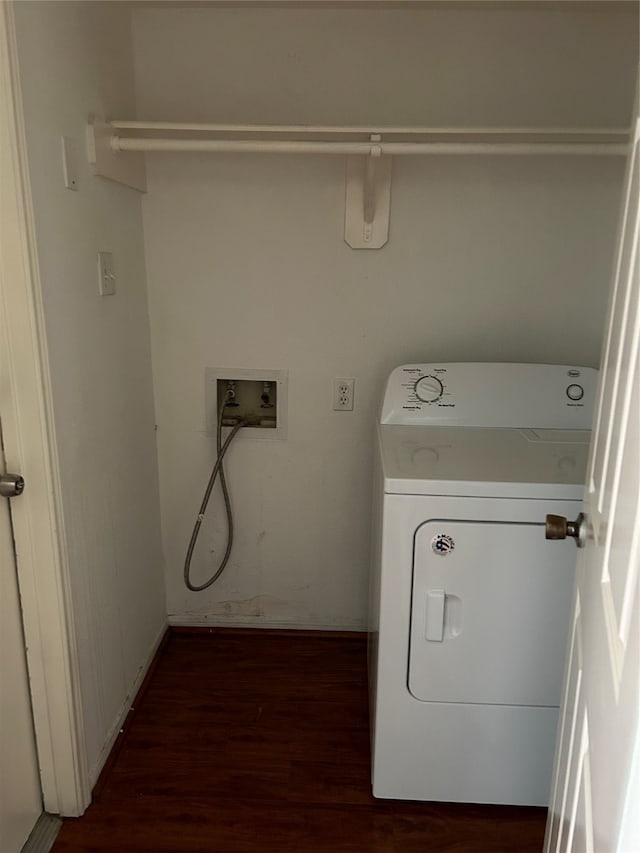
column 217, row 468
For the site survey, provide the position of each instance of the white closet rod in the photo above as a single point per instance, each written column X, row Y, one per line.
column 332, row 139
column 365, row 148
column 607, row 133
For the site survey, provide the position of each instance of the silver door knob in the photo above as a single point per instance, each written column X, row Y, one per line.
column 11, row 485
column 558, row 527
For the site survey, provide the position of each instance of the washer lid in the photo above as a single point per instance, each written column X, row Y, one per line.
column 484, row 462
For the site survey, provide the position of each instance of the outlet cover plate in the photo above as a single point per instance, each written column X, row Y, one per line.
column 343, row 391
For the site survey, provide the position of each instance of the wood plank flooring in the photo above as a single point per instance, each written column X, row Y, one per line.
column 258, row 741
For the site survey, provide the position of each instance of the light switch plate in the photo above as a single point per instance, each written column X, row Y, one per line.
column 70, row 163
column 106, row 274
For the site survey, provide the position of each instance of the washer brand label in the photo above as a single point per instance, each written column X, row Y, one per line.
column 442, row 544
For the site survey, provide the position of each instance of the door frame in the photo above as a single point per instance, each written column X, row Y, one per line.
column 30, row 449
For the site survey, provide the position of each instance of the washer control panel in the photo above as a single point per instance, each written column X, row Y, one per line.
column 491, row 394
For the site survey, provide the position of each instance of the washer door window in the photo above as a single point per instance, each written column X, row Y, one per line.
column 489, row 613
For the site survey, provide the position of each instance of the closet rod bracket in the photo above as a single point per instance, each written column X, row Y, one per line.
column 368, row 198
column 107, row 163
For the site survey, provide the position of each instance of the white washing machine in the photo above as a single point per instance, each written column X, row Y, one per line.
column 470, row 604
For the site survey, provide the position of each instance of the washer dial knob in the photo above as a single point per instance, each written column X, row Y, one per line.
column 429, row 389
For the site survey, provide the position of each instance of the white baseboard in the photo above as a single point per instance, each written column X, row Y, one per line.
column 116, row 728
column 178, row 621
column 43, row 835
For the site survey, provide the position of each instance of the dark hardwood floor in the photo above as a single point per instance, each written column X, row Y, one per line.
column 258, row 741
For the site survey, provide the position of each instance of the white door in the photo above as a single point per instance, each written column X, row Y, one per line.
column 38, row 521
column 594, row 807
column 20, row 797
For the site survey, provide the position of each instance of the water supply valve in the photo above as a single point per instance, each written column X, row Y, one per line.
column 265, row 397
column 230, row 397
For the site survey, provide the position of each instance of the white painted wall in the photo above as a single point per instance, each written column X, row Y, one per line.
column 75, row 58
column 489, row 259
column 433, row 67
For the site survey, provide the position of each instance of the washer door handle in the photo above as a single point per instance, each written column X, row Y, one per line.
column 434, row 629
column 558, row 527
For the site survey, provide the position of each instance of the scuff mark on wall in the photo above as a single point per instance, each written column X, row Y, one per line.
column 261, row 606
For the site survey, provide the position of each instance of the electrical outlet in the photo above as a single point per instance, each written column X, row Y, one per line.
column 343, row 395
